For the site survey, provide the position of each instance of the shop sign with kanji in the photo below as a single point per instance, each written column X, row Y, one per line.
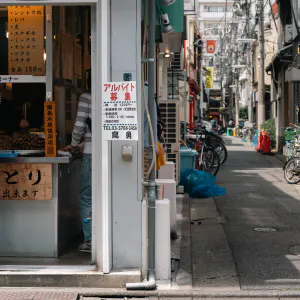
column 25, row 181
column 50, row 128
column 119, row 111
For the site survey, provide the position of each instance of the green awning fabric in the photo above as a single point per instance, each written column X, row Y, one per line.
column 175, row 13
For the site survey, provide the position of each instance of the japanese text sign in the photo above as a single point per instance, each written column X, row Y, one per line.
column 50, row 128
column 119, row 114
column 25, row 181
column 26, row 40
column 209, row 77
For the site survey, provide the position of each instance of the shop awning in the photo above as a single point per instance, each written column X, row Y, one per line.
column 285, row 54
column 175, row 13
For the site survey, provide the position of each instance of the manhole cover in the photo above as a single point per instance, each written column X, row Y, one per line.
column 295, row 250
column 265, row 229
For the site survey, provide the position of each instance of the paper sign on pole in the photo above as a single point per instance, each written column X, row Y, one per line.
column 119, row 114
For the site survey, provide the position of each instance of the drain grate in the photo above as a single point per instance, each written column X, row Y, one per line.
column 266, row 229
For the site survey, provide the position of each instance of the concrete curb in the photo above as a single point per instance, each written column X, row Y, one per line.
column 192, row 293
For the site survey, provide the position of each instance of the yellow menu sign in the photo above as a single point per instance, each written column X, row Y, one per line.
column 26, row 40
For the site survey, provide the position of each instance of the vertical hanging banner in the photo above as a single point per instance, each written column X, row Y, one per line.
column 211, row 46
column 209, row 77
column 50, row 128
column 25, row 34
column 119, row 114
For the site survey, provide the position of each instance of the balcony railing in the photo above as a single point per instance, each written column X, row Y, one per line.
column 205, row 15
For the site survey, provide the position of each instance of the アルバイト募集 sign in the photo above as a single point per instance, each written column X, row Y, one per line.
column 119, row 114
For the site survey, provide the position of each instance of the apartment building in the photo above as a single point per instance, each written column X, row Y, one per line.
column 213, row 17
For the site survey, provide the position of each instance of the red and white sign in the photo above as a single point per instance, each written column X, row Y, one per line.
column 211, row 46
column 119, row 114
column 275, row 8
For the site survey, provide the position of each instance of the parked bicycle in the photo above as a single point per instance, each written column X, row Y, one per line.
column 215, row 141
column 292, row 166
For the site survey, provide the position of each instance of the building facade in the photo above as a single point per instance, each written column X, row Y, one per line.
column 214, row 16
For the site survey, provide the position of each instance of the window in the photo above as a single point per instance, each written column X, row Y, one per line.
column 214, row 8
column 212, row 29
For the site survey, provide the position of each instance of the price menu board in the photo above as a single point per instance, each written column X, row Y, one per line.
column 26, row 40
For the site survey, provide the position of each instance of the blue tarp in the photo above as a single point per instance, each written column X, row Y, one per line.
column 199, row 184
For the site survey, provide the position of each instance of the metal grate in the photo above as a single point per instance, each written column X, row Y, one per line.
column 170, row 116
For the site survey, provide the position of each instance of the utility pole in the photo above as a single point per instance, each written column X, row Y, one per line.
column 237, row 100
column 250, row 108
column 261, row 66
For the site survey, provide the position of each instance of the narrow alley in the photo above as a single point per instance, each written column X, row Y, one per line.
column 249, row 239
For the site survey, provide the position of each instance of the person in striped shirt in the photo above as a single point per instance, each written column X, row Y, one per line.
column 82, row 138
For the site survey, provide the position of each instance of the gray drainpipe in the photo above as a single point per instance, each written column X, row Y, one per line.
column 149, row 284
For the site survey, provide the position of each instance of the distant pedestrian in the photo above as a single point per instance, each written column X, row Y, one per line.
column 230, row 123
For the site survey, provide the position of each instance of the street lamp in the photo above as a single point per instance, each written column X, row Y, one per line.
column 166, row 22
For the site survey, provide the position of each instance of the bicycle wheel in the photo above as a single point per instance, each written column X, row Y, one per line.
column 211, row 161
column 292, row 171
column 222, row 152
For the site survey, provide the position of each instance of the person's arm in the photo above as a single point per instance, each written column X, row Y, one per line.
column 80, row 123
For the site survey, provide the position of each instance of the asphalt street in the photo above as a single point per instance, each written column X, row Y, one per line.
column 261, row 214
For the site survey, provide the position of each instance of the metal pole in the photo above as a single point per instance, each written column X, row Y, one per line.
column 261, row 67
column 230, row 103
column 237, row 102
column 49, row 49
column 151, row 80
column 250, row 109
column 184, row 106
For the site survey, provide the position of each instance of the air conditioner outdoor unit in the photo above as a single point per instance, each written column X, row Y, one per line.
column 288, row 33
column 170, row 115
column 280, row 40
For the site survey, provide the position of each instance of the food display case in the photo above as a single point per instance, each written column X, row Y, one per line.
column 38, row 198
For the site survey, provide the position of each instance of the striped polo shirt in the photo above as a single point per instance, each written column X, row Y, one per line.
column 81, row 129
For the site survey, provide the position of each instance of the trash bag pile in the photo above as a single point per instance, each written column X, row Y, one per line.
column 199, row 184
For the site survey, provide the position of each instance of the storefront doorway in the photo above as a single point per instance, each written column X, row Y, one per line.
column 46, row 232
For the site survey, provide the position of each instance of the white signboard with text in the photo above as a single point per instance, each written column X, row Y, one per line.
column 119, row 111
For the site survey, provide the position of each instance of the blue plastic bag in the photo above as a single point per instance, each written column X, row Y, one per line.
column 200, row 184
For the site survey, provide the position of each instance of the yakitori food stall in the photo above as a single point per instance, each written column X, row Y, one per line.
column 39, row 88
